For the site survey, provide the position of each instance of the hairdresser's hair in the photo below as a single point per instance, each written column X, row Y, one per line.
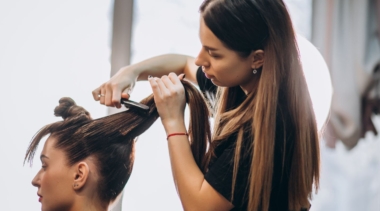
column 111, row 139
column 245, row 26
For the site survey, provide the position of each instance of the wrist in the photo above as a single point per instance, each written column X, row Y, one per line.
column 176, row 134
column 130, row 71
column 174, row 126
column 137, row 72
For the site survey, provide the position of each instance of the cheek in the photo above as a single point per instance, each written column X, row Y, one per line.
column 56, row 190
column 230, row 73
column 222, row 69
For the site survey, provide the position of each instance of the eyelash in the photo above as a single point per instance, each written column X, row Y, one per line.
column 214, row 56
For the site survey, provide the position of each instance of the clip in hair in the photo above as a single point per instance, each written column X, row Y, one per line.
column 129, row 104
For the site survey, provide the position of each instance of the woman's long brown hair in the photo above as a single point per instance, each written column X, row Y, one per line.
column 111, row 139
column 280, row 90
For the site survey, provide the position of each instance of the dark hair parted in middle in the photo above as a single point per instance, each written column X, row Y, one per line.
column 111, row 139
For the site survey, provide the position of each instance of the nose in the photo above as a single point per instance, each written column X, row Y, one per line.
column 36, row 180
column 202, row 59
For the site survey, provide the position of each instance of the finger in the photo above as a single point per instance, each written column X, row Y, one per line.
column 175, row 79
column 163, row 88
column 167, row 81
column 125, row 95
column 96, row 93
column 155, row 88
column 171, row 76
column 127, row 92
column 181, row 76
column 115, row 98
column 108, row 97
column 102, row 95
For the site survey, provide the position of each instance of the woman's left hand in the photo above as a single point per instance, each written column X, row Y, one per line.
column 169, row 96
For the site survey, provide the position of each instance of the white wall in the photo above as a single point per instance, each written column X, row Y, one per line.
column 48, row 50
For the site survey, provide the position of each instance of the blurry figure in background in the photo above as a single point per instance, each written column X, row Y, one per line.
column 347, row 35
column 86, row 163
column 264, row 153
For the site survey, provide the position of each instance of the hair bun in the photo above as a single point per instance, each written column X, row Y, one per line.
column 67, row 108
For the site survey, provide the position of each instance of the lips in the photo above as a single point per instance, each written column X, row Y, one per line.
column 207, row 75
column 40, row 197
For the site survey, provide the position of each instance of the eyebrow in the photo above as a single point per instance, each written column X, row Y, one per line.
column 210, row 48
column 43, row 156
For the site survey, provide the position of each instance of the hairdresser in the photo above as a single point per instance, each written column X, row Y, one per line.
column 264, row 151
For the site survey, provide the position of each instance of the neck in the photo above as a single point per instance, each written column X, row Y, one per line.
column 246, row 90
column 86, row 204
column 251, row 84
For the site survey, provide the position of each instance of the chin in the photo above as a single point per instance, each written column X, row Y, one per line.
column 54, row 207
column 218, row 83
column 45, row 208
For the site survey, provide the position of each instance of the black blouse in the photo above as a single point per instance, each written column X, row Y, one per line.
column 220, row 169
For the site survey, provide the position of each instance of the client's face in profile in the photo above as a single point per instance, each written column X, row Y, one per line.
column 53, row 180
column 57, row 181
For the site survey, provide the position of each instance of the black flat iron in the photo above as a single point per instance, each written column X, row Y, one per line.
column 129, row 104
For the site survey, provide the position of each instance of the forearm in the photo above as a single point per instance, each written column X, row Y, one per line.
column 161, row 65
column 187, row 176
column 194, row 191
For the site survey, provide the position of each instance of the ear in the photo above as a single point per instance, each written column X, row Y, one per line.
column 81, row 173
column 257, row 59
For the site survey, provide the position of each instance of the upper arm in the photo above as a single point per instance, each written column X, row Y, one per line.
column 210, row 199
column 191, row 70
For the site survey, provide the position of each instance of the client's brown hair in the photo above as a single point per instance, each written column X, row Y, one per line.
column 111, row 139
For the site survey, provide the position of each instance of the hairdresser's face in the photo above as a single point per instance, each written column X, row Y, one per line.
column 223, row 66
column 55, row 179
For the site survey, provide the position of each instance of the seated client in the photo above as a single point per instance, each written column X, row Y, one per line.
column 87, row 162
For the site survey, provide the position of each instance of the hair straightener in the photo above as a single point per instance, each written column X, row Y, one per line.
column 129, row 104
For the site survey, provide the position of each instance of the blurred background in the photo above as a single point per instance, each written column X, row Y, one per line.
column 51, row 49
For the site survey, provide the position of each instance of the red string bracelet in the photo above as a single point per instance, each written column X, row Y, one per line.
column 176, row 134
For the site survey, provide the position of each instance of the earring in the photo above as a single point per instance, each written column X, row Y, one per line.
column 75, row 185
column 254, row 71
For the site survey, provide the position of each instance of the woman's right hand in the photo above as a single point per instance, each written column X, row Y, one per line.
column 119, row 86
column 122, row 83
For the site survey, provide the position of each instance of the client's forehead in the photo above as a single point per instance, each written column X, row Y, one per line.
column 50, row 151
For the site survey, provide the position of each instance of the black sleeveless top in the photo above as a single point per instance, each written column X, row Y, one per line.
column 220, row 169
